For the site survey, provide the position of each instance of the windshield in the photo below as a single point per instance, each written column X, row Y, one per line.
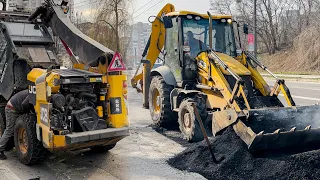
column 196, row 36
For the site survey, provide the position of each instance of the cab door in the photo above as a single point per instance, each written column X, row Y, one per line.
column 172, row 49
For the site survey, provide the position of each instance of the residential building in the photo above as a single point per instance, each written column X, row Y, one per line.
column 29, row 5
column 139, row 39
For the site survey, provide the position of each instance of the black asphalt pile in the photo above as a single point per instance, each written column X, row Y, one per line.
column 241, row 164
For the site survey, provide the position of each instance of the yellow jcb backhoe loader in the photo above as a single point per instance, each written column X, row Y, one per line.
column 204, row 64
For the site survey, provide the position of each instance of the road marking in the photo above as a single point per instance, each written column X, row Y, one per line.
column 302, row 97
column 312, row 89
column 295, row 82
column 7, row 174
column 293, row 87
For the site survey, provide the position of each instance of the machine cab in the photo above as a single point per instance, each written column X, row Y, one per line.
column 187, row 35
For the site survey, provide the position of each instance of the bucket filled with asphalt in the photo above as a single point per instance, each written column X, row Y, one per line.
column 274, row 128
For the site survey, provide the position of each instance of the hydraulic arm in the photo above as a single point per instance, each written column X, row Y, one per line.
column 82, row 46
column 154, row 45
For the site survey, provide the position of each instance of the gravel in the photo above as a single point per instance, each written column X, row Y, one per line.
column 241, row 164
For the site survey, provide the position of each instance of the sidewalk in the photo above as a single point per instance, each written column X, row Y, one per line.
column 294, row 76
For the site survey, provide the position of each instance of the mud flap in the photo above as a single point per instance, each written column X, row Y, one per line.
column 280, row 127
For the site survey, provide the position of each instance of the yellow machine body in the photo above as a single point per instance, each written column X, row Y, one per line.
column 118, row 120
column 45, row 85
column 235, row 93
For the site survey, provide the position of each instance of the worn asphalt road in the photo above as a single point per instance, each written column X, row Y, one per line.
column 303, row 93
column 142, row 155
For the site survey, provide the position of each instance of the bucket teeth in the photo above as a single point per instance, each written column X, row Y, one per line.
column 260, row 133
column 308, row 127
column 276, row 131
column 280, row 127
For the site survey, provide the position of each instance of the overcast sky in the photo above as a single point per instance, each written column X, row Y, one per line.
column 142, row 9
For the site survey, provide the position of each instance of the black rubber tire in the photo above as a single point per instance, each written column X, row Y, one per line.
column 102, row 149
column 10, row 143
column 165, row 118
column 193, row 133
column 35, row 153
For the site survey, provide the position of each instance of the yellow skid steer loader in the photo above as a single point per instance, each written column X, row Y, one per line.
column 73, row 108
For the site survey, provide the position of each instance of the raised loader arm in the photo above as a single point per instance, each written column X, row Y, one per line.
column 154, row 45
column 279, row 85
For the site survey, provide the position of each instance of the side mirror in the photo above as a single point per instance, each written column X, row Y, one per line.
column 167, row 21
column 245, row 29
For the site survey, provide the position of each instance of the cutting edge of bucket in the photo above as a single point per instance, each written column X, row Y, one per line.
column 277, row 139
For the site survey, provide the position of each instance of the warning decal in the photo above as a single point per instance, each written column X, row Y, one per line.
column 116, row 63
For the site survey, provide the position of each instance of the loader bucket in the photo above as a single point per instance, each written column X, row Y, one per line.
column 275, row 128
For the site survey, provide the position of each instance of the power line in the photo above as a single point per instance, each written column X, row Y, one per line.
column 142, row 6
column 148, row 9
column 85, row 1
column 94, row 2
column 88, row 2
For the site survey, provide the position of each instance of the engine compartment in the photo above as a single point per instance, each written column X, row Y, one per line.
column 78, row 105
column 74, row 108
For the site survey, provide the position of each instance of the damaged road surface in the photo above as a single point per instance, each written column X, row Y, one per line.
column 239, row 163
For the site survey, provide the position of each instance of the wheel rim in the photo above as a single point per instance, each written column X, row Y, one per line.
column 23, row 140
column 186, row 120
column 156, row 101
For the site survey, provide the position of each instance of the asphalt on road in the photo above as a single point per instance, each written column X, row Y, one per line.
column 142, row 155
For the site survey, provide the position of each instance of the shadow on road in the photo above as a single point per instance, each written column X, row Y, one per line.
column 172, row 133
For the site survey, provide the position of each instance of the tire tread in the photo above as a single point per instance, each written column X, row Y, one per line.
column 196, row 133
column 37, row 152
column 166, row 114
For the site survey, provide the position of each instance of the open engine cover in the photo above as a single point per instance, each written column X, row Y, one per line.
column 89, row 120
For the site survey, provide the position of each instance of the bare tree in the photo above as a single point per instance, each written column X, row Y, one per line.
column 111, row 24
column 222, row 7
column 278, row 21
column 114, row 13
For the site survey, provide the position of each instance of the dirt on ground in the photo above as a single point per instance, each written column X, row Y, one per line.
column 241, row 164
column 303, row 57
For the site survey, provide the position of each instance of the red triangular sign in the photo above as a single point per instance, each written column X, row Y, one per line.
column 116, row 63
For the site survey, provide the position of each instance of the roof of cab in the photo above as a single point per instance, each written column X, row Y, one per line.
column 182, row 13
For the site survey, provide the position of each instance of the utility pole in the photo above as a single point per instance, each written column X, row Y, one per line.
column 135, row 55
column 255, row 26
